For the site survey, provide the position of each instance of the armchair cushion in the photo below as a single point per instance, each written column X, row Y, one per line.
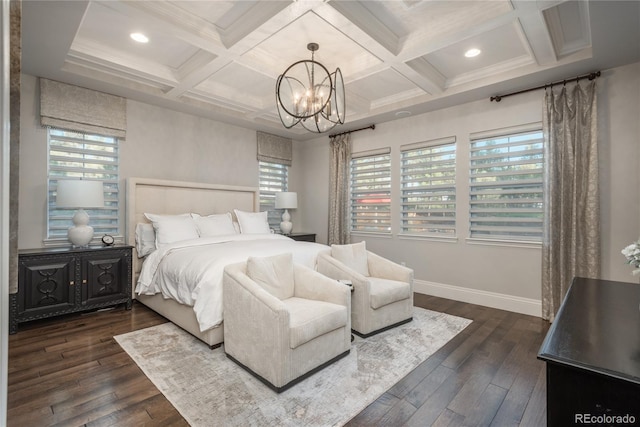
column 274, row 274
column 353, row 256
column 385, row 291
column 310, row 319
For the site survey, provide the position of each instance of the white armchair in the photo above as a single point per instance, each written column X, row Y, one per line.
column 382, row 290
column 284, row 321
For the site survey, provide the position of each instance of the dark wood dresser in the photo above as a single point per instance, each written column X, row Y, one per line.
column 57, row 281
column 592, row 353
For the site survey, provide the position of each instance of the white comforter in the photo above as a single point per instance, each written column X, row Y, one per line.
column 190, row 271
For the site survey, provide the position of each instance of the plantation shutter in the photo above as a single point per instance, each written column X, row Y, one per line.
column 506, row 195
column 428, row 183
column 370, row 188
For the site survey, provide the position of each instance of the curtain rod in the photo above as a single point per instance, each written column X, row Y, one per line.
column 351, row 131
column 589, row 76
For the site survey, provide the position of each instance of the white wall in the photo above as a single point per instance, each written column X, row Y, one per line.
column 502, row 276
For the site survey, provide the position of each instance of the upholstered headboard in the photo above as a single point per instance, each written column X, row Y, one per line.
column 146, row 195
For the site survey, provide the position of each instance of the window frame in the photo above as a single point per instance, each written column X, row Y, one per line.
column 77, row 155
column 416, row 159
column 380, row 170
column 512, row 140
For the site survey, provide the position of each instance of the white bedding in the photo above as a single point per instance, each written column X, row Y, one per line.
column 190, row 271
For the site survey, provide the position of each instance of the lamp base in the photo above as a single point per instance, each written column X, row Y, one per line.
column 286, row 225
column 81, row 234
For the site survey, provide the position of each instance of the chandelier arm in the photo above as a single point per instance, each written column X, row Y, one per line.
column 315, row 110
column 278, row 92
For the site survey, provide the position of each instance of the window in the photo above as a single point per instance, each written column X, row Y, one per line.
column 371, row 192
column 428, row 183
column 506, row 192
column 76, row 155
column 273, row 179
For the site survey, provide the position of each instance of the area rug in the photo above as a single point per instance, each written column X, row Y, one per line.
column 209, row 389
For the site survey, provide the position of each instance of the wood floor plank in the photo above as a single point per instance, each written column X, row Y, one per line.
column 486, row 406
column 437, row 403
column 70, row 371
column 429, row 385
column 536, row 412
column 372, row 414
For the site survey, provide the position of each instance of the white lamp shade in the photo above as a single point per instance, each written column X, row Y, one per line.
column 80, row 194
column 286, row 200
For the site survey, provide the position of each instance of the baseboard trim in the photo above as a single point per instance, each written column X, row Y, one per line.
column 516, row 304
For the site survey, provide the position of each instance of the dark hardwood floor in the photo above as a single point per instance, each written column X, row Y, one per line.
column 70, row 371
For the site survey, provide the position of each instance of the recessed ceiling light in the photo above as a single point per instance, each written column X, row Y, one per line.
column 139, row 37
column 403, row 113
column 472, row 52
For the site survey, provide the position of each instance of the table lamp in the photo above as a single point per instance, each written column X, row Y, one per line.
column 80, row 194
column 286, row 200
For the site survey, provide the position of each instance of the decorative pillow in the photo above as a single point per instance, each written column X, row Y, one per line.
column 273, row 273
column 145, row 239
column 353, row 256
column 173, row 228
column 252, row 222
column 214, row 225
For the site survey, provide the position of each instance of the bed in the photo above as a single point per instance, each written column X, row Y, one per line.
column 201, row 315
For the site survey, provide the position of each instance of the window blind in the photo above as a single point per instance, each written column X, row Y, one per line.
column 370, row 188
column 506, row 194
column 428, row 188
column 274, row 148
column 75, row 155
column 64, row 106
column 273, row 179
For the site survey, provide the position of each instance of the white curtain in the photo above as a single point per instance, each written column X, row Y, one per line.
column 571, row 243
column 339, row 189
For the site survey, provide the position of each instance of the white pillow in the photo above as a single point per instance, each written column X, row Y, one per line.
column 353, row 256
column 252, row 222
column 145, row 239
column 273, row 273
column 173, row 228
column 214, row 225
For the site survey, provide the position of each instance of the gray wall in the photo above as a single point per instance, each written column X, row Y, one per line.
column 160, row 143
column 504, row 276
column 166, row 144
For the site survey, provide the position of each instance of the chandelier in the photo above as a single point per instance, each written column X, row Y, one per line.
column 307, row 93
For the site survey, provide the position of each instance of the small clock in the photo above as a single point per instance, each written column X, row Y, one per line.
column 108, row 240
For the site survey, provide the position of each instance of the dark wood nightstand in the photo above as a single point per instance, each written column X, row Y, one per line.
column 303, row 237
column 56, row 281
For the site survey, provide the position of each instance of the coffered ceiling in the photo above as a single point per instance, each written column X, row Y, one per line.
column 221, row 59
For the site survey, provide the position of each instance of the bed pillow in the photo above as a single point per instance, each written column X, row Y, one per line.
column 145, row 239
column 214, row 225
column 173, row 228
column 274, row 274
column 252, row 222
column 353, row 256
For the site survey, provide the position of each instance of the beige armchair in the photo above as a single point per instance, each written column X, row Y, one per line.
column 382, row 290
column 284, row 321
